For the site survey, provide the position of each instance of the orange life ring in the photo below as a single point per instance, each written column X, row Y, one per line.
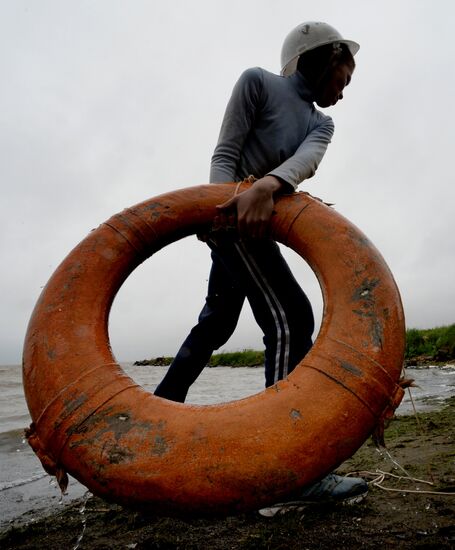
column 130, row 447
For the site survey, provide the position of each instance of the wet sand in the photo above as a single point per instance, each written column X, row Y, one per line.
column 420, row 518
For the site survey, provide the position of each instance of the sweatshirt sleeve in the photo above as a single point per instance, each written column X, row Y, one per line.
column 237, row 122
column 305, row 161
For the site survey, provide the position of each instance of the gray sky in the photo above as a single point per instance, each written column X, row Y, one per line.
column 107, row 103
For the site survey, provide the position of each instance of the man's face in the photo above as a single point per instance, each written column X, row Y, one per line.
column 332, row 89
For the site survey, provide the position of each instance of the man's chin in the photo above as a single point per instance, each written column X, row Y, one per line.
column 325, row 102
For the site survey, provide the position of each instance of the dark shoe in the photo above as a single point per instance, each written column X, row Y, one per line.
column 334, row 487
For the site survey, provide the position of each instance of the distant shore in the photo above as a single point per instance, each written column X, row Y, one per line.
column 423, row 446
column 245, row 358
column 424, row 347
column 422, row 361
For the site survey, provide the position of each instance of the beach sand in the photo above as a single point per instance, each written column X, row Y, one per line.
column 424, row 447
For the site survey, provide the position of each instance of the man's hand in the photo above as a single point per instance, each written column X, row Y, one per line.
column 254, row 207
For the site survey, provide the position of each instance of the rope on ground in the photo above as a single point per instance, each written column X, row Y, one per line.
column 377, row 478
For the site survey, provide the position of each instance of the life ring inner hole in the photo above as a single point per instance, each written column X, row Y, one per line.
column 160, row 302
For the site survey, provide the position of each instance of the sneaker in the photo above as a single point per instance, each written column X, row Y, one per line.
column 334, row 487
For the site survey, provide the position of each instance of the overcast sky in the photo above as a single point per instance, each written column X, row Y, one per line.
column 107, row 103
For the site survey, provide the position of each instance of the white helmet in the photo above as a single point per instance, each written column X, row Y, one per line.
column 306, row 37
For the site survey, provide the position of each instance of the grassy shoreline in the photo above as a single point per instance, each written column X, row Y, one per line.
column 423, row 446
column 435, row 346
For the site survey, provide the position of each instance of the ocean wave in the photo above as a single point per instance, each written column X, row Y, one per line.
column 13, row 433
column 13, row 441
column 19, row 482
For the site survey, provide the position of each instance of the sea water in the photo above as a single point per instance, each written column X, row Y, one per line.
column 24, row 485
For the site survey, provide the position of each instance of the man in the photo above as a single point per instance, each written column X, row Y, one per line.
column 271, row 130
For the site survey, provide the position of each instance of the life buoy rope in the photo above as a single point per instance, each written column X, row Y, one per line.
column 92, row 421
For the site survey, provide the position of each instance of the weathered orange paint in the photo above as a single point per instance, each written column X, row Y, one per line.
column 128, row 446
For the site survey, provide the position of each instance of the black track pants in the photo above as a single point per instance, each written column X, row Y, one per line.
column 255, row 270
